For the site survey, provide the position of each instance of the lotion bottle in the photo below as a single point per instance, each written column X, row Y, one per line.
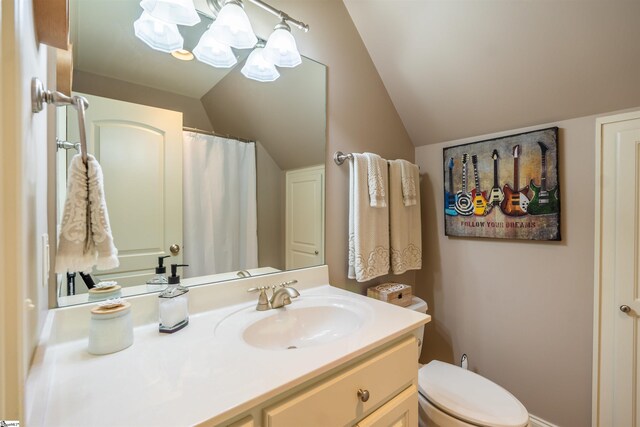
column 174, row 304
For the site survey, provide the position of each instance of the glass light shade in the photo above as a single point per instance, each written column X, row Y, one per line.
column 232, row 27
column 211, row 52
column 158, row 34
column 258, row 68
column 181, row 12
column 281, row 49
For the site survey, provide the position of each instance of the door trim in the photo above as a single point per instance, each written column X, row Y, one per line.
column 603, row 313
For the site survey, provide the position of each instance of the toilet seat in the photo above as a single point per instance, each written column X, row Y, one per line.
column 470, row 397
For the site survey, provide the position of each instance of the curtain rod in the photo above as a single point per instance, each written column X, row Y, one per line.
column 208, row 132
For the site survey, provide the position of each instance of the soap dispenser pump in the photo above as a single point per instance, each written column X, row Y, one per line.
column 159, row 281
column 174, row 305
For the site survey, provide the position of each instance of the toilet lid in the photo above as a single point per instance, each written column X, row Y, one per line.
column 470, row 397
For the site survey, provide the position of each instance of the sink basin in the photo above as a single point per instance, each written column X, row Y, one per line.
column 308, row 321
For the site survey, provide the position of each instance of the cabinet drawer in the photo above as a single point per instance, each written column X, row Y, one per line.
column 335, row 402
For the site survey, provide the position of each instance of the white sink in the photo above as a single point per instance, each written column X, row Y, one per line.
column 308, row 321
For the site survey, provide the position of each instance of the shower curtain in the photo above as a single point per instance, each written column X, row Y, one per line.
column 219, row 205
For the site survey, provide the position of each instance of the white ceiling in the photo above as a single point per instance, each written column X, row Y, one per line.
column 456, row 68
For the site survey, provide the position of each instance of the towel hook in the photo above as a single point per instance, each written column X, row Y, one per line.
column 40, row 95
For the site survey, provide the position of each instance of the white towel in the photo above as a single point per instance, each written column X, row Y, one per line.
column 368, row 227
column 85, row 237
column 376, row 171
column 405, row 228
column 409, row 193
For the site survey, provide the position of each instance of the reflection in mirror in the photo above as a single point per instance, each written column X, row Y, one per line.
column 201, row 165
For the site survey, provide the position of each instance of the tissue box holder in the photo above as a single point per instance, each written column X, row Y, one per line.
column 394, row 293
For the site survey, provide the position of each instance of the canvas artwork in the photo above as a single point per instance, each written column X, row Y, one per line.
column 506, row 188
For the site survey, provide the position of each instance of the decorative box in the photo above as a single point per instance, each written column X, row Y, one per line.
column 394, row 293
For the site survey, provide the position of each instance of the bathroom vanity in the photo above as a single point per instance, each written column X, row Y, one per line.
column 331, row 358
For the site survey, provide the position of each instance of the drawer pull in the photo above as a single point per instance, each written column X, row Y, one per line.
column 363, row 395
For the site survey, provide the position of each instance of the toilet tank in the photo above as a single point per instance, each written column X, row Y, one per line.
column 419, row 305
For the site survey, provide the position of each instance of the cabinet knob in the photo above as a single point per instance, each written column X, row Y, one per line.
column 316, row 252
column 625, row 308
column 363, row 395
column 174, row 249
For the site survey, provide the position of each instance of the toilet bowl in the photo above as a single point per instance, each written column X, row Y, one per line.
column 450, row 396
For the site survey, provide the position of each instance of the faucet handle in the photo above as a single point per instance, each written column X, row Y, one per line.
column 263, row 301
column 287, row 283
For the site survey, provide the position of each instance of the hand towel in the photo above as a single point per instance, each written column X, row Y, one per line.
column 85, row 238
column 409, row 196
column 376, row 169
column 405, row 231
column 368, row 227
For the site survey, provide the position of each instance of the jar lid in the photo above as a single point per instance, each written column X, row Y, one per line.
column 105, row 289
column 115, row 307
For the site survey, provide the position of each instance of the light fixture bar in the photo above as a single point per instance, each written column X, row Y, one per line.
column 216, row 5
column 280, row 14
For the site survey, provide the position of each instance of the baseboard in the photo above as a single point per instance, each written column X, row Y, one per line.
column 539, row 422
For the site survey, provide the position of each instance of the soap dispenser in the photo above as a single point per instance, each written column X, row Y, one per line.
column 174, row 310
column 159, row 281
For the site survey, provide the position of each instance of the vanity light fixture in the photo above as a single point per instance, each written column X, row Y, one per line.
column 232, row 26
column 281, row 48
column 214, row 53
column 258, row 68
column 157, row 27
column 181, row 12
column 182, row 55
column 157, row 34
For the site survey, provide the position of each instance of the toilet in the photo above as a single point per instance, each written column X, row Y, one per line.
column 451, row 396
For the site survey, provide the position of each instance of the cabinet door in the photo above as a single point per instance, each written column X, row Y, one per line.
column 401, row 411
column 245, row 422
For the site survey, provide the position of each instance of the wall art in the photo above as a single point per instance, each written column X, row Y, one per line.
column 505, row 188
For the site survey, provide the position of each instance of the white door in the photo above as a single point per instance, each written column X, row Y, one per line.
column 140, row 151
column 304, row 236
column 617, row 291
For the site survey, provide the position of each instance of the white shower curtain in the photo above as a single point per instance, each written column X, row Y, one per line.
column 219, row 210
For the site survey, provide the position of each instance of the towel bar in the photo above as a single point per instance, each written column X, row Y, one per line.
column 339, row 157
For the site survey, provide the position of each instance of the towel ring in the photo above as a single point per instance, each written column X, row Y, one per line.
column 40, row 95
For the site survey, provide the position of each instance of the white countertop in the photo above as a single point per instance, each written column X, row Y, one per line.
column 191, row 376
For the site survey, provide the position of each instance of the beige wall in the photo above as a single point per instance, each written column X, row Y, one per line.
column 24, row 149
column 521, row 310
column 270, row 201
column 360, row 115
column 193, row 112
column 287, row 116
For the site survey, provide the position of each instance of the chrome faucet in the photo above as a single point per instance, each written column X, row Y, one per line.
column 281, row 296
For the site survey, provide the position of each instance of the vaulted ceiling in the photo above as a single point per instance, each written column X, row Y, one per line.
column 460, row 68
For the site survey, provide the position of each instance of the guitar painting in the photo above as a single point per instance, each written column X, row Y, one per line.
column 496, row 196
column 464, row 201
column 520, row 203
column 450, row 196
column 515, row 201
column 544, row 201
column 479, row 197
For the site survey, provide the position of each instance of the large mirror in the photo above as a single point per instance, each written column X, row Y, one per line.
column 200, row 164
